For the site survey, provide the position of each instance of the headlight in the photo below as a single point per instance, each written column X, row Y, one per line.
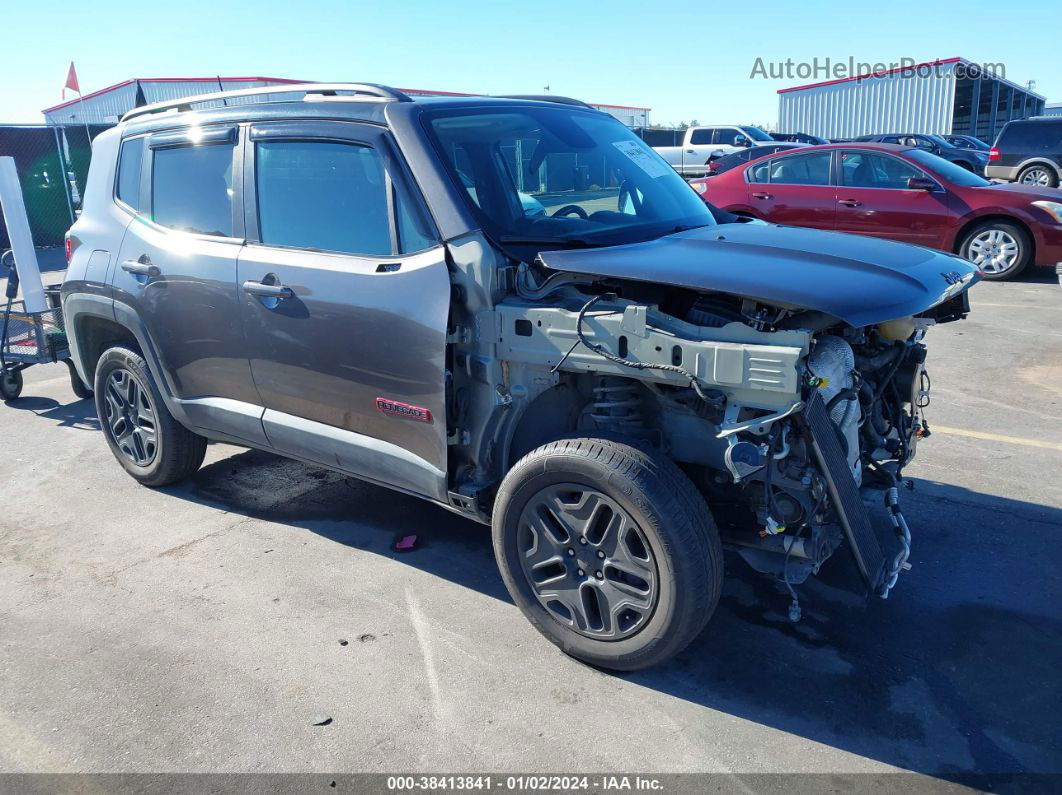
column 1054, row 209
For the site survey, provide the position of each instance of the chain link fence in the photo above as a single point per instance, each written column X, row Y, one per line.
column 52, row 163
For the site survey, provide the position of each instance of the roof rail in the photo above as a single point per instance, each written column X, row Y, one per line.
column 546, row 98
column 309, row 90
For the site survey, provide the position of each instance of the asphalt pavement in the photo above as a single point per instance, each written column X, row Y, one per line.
column 208, row 627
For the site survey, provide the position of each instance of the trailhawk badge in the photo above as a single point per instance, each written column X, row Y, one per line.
column 406, row 410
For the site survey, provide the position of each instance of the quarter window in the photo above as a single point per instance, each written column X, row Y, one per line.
column 192, row 189
column 323, row 195
column 813, row 169
column 130, row 160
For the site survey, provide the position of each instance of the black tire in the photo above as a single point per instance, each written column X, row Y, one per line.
column 1052, row 177
column 1015, row 232
column 175, row 453
column 670, row 518
column 76, row 384
column 11, row 384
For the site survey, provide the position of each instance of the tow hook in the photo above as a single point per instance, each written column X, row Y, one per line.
column 903, row 533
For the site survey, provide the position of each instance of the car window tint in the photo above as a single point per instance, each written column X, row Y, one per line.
column 322, row 195
column 192, row 189
column 863, row 170
column 813, row 169
column 701, row 136
column 130, row 160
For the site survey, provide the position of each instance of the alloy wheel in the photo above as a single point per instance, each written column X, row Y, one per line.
column 993, row 251
column 587, row 561
column 1036, row 176
column 131, row 417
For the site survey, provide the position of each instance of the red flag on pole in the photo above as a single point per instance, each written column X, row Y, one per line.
column 71, row 81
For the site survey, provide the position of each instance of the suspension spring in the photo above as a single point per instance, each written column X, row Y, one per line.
column 617, row 405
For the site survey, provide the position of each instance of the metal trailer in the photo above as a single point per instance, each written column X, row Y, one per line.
column 29, row 338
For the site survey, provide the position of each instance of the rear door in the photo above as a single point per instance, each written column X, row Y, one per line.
column 344, row 297
column 873, row 199
column 177, row 269
column 794, row 190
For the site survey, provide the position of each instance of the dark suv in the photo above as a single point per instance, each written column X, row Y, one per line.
column 517, row 310
column 971, row 159
column 1028, row 151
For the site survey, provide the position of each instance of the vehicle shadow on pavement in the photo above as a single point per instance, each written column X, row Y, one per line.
column 79, row 414
column 955, row 674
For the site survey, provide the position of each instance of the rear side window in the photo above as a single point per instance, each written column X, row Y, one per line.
column 130, row 159
column 702, row 136
column 323, row 195
column 191, row 189
column 1031, row 136
column 813, row 169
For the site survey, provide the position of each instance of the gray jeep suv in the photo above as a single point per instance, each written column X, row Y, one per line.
column 514, row 309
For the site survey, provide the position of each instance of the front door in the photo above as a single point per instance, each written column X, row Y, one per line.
column 873, row 199
column 344, row 297
column 177, row 264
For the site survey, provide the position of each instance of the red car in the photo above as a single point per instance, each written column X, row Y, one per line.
column 898, row 193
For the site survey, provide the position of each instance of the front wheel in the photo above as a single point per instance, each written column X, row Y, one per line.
column 1000, row 249
column 609, row 550
column 148, row 442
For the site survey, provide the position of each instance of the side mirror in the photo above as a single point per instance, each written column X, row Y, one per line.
column 921, row 183
column 741, row 140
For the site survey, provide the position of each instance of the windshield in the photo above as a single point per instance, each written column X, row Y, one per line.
column 556, row 175
column 756, row 134
column 945, row 169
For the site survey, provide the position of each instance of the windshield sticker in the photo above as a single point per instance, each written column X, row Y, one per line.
column 650, row 164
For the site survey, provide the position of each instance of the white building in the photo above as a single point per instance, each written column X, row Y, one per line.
column 107, row 105
column 950, row 96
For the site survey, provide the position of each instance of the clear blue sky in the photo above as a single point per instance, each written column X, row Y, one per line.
column 685, row 60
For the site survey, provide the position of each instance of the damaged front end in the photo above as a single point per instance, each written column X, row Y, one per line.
column 794, row 421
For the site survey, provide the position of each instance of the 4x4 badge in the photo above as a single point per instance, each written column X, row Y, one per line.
column 406, row 410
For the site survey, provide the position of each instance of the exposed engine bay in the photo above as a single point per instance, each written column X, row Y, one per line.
column 789, row 421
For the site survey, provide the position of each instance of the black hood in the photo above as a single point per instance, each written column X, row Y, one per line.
column 859, row 280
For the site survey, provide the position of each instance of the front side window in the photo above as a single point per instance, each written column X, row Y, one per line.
column 559, row 175
column 864, row 170
column 191, row 189
column 324, row 196
column 756, row 134
column 812, row 169
column 952, row 172
column 130, row 160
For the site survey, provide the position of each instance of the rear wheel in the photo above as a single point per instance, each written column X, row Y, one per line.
column 1000, row 249
column 609, row 551
column 1038, row 175
column 145, row 438
column 10, row 384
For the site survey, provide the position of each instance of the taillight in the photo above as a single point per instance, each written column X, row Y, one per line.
column 69, row 250
column 993, row 154
column 71, row 246
column 713, row 166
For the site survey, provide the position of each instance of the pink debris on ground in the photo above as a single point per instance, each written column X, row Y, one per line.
column 405, row 543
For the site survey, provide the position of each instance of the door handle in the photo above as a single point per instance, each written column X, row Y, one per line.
column 762, row 196
column 850, row 203
column 691, row 151
column 262, row 290
column 139, row 268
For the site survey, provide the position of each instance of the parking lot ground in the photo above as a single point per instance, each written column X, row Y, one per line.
column 202, row 627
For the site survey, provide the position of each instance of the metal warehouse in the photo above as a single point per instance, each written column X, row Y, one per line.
column 952, row 96
column 108, row 105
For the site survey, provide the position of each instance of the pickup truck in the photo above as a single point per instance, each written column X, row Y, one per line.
column 699, row 144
